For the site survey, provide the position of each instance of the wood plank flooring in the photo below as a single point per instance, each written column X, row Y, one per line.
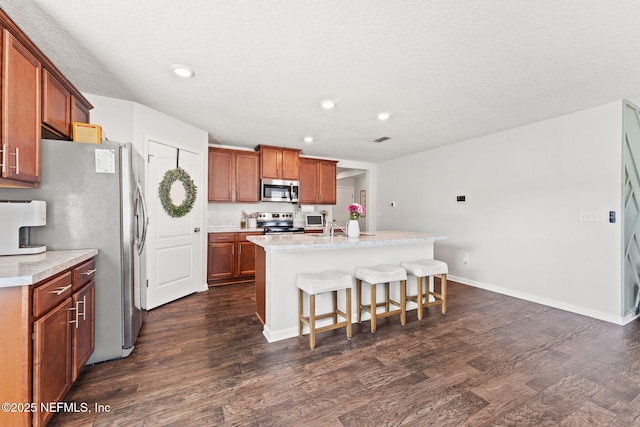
column 491, row 361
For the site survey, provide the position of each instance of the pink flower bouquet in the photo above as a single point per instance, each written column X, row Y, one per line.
column 355, row 210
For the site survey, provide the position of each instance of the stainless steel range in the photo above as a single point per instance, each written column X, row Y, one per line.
column 277, row 223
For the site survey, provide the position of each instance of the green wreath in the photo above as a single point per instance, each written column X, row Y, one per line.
column 170, row 177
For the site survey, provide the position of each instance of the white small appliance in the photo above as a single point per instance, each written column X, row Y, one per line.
column 16, row 219
column 314, row 220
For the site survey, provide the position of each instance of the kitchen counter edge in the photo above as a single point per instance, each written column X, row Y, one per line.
column 296, row 242
column 233, row 230
column 25, row 270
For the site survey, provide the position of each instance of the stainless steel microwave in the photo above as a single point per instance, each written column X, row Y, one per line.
column 279, row 190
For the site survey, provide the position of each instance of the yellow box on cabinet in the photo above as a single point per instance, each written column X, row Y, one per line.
column 87, row 132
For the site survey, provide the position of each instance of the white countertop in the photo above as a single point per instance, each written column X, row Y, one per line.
column 21, row 270
column 297, row 242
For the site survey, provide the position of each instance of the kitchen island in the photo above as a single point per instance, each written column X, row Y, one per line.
column 280, row 258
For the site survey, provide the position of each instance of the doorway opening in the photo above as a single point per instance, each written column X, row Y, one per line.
column 352, row 187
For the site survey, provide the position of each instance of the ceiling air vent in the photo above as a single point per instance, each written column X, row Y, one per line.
column 381, row 139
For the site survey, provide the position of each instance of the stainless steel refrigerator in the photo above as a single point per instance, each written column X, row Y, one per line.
column 95, row 199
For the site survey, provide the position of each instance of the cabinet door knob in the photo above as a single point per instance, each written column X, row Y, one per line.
column 197, row 229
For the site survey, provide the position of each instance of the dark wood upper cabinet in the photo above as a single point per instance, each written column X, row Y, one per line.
column 20, row 126
column 279, row 162
column 37, row 100
column 308, row 181
column 79, row 111
column 221, row 175
column 233, row 176
column 56, row 106
column 247, row 177
column 317, row 181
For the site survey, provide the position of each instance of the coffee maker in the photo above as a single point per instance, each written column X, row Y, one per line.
column 16, row 219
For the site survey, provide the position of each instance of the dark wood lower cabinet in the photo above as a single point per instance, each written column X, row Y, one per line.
column 83, row 328
column 52, row 335
column 51, row 359
column 230, row 258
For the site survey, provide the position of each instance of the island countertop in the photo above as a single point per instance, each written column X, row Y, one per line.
column 297, row 242
column 21, row 270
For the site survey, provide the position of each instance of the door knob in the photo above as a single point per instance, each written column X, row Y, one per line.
column 196, row 229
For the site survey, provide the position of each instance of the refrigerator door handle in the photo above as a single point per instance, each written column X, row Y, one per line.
column 145, row 219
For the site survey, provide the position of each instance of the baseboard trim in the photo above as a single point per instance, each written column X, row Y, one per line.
column 618, row 320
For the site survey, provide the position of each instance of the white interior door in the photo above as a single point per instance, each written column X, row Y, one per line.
column 174, row 255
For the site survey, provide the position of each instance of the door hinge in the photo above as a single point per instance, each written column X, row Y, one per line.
column 147, row 283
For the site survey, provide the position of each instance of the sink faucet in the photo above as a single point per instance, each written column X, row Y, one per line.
column 345, row 228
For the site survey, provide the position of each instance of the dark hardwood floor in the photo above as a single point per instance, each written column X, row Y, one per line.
column 492, row 360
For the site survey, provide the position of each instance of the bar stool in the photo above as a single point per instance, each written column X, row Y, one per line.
column 427, row 268
column 382, row 274
column 318, row 283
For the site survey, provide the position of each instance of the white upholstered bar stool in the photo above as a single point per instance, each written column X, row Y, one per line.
column 382, row 274
column 318, row 283
column 425, row 268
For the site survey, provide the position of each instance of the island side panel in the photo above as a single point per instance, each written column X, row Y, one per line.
column 260, row 283
column 282, row 267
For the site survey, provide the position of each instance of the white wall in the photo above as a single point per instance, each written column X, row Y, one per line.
column 520, row 226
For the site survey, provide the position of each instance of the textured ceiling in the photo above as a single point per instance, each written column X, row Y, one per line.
column 447, row 70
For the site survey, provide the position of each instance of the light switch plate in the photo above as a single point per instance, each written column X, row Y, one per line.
column 594, row 216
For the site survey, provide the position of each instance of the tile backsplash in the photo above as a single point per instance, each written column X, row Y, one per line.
column 228, row 214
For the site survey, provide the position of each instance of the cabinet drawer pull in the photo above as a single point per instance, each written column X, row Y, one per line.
column 84, row 308
column 17, row 166
column 77, row 310
column 76, row 320
column 60, row 291
column 89, row 272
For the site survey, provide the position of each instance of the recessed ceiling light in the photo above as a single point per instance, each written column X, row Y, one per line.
column 308, row 139
column 328, row 104
column 183, row 70
column 383, row 115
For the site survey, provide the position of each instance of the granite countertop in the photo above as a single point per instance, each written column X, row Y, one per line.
column 21, row 270
column 296, row 242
